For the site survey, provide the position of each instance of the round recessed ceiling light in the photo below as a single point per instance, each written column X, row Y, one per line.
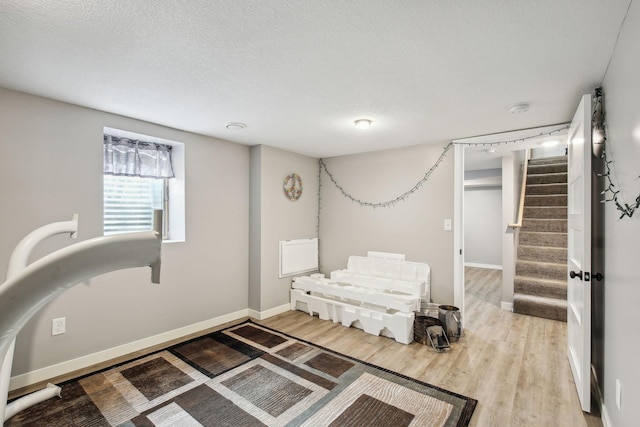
column 521, row 107
column 235, row 126
column 550, row 143
column 363, row 123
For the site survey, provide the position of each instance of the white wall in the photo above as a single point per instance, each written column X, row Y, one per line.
column 278, row 218
column 542, row 152
column 51, row 167
column 622, row 281
column 413, row 227
column 483, row 226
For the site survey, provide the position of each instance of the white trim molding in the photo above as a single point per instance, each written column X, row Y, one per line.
column 480, row 265
column 261, row 315
column 506, row 306
column 45, row 374
column 64, row 368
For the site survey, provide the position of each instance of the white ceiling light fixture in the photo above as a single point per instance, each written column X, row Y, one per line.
column 521, row 107
column 550, row 143
column 362, row 124
column 235, row 126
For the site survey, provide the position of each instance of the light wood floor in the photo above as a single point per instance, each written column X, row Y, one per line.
column 514, row 365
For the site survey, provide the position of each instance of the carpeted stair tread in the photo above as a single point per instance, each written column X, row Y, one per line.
column 541, row 270
column 546, row 189
column 551, row 225
column 545, row 212
column 543, row 238
column 547, row 178
column 542, row 254
column 540, row 287
column 548, row 160
column 534, row 169
column 545, row 200
column 549, row 308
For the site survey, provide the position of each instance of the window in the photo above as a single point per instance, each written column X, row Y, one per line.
column 129, row 202
column 142, row 174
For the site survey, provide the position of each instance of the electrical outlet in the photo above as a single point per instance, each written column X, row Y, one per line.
column 58, row 326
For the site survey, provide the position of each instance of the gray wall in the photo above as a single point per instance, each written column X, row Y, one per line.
column 413, row 227
column 622, row 281
column 275, row 218
column 51, row 167
column 483, row 226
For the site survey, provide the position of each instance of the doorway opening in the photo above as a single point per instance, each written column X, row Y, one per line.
column 487, row 186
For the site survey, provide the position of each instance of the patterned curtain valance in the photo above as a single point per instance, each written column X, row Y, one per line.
column 128, row 157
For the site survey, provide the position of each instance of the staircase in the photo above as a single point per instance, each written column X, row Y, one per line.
column 541, row 267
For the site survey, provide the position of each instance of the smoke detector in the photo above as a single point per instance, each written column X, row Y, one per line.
column 363, row 123
column 235, row 126
column 521, row 107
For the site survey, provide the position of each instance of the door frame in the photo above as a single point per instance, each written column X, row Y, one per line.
column 458, row 227
column 579, row 243
column 509, row 141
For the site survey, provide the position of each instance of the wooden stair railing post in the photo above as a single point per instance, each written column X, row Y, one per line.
column 523, row 188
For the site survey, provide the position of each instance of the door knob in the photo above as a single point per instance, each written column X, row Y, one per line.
column 573, row 274
column 598, row 276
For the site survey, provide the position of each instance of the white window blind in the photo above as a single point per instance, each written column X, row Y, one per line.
column 129, row 203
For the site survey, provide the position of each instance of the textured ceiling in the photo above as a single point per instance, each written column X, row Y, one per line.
column 299, row 72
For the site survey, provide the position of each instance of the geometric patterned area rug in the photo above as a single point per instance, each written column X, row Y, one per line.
column 247, row 375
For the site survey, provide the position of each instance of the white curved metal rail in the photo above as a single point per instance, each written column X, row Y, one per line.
column 29, row 288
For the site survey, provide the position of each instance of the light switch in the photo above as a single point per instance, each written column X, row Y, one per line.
column 447, row 225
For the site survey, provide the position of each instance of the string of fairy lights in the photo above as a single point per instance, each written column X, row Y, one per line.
column 402, row 197
column 394, row 201
column 625, row 209
column 516, row 141
column 611, row 193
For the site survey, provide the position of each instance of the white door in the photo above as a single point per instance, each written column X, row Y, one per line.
column 458, row 230
column 579, row 251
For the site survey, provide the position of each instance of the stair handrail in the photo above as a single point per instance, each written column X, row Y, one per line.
column 523, row 188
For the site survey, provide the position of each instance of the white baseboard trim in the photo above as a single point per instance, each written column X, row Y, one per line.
column 506, row 306
column 479, row 265
column 44, row 374
column 261, row 315
column 604, row 415
column 64, row 368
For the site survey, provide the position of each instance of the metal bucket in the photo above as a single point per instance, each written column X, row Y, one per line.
column 420, row 325
column 451, row 319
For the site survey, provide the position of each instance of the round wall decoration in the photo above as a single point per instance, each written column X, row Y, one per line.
column 292, row 187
